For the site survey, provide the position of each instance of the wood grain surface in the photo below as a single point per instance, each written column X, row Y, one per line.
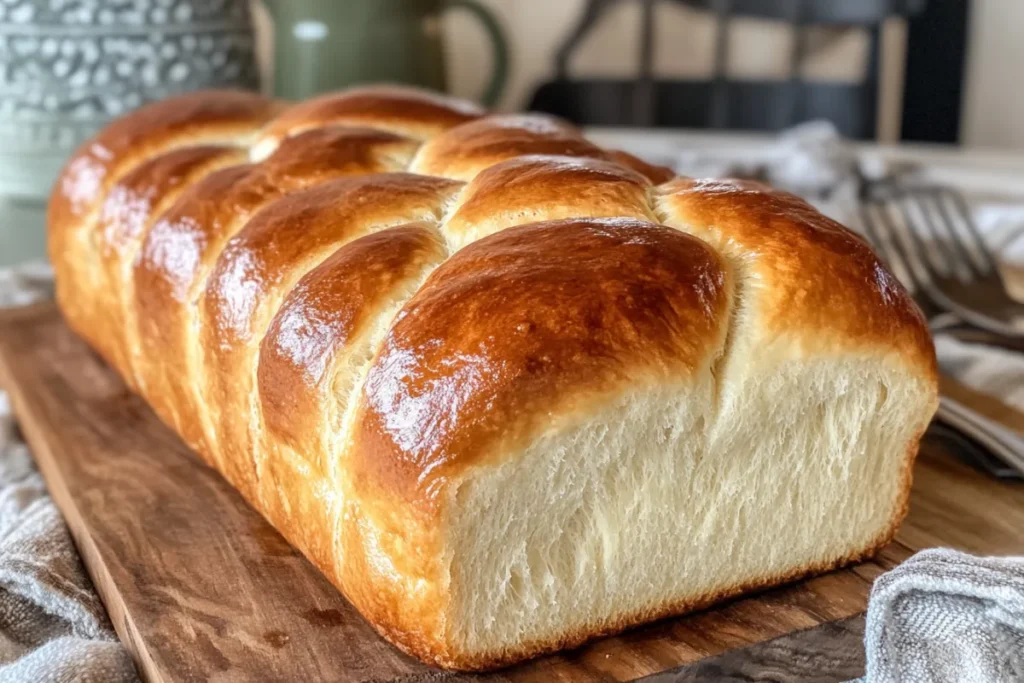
column 201, row 588
column 826, row 653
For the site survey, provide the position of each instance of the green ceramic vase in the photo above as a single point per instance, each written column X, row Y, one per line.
column 324, row 45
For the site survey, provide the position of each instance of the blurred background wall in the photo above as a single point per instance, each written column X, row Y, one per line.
column 993, row 101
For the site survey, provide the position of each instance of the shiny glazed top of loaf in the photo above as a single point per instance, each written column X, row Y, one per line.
column 516, row 169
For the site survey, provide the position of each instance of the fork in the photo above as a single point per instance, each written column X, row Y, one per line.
column 958, row 273
column 978, row 430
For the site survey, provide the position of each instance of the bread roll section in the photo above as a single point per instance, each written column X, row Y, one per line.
column 508, row 390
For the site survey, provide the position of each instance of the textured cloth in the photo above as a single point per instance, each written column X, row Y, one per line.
column 992, row 371
column 53, row 628
column 945, row 616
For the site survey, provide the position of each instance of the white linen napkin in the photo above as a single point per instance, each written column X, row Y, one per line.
column 947, row 617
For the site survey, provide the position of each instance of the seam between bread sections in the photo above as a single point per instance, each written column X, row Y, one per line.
column 257, row 420
column 130, row 338
column 448, row 206
column 738, row 312
column 240, row 142
column 129, row 335
column 339, row 384
column 374, row 337
column 651, row 204
column 196, row 317
column 448, row 209
column 86, row 229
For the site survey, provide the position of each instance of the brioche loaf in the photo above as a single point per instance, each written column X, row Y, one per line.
column 506, row 389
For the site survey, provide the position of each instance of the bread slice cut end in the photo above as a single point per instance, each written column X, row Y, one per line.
column 666, row 501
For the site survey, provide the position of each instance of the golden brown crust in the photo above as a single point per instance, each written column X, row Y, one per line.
column 264, row 260
column 464, row 151
column 539, row 188
column 341, row 295
column 277, row 240
column 392, row 574
column 208, row 117
column 819, row 279
column 502, row 329
column 653, row 172
column 199, row 118
column 125, row 218
column 183, row 245
column 405, row 111
column 336, row 303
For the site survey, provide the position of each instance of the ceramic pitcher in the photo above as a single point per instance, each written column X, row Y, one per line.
column 322, row 45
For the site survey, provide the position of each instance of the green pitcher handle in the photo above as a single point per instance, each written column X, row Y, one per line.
column 500, row 47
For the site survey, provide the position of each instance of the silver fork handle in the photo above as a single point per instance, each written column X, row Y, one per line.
column 1003, row 443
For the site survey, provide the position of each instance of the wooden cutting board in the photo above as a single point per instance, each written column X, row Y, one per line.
column 200, row 588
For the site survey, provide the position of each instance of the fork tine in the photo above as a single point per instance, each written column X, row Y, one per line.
column 871, row 232
column 887, row 241
column 980, row 301
column 927, row 266
column 963, row 212
column 893, row 254
column 955, row 258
